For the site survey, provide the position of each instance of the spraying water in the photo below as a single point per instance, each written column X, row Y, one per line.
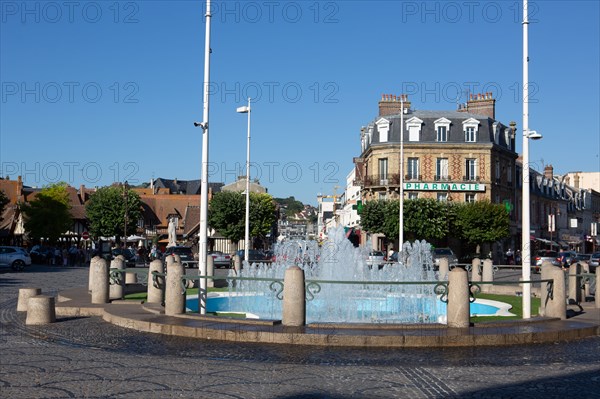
column 349, row 302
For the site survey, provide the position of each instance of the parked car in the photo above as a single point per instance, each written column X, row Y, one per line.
column 438, row 253
column 15, row 257
column 567, row 257
column 41, row 255
column 220, row 259
column 594, row 261
column 129, row 255
column 254, row 255
column 544, row 255
column 185, row 254
column 376, row 258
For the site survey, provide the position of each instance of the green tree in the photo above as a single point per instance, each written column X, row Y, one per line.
column 3, row 202
column 482, row 222
column 106, row 211
column 372, row 216
column 427, row 219
column 262, row 214
column 226, row 214
column 48, row 214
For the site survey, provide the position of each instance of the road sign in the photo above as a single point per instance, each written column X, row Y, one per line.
column 85, row 235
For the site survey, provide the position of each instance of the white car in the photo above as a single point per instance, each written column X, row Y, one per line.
column 15, row 257
column 376, row 258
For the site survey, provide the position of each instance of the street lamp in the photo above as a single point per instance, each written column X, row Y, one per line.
column 246, row 110
column 125, row 195
column 401, row 211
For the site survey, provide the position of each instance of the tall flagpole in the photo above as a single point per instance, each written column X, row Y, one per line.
column 401, row 191
column 203, row 241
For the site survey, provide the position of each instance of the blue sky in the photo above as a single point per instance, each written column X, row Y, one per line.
column 98, row 92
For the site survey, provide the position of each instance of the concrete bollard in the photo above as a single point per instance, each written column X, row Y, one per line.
column 210, row 271
column 557, row 305
column 586, row 291
column 40, row 310
column 117, row 289
column 488, row 275
column 175, row 294
column 597, row 292
column 130, row 278
column 237, row 264
column 294, row 302
column 476, row 270
column 24, row 295
column 100, row 288
column 575, row 283
column 458, row 299
column 91, row 272
column 443, row 269
column 155, row 295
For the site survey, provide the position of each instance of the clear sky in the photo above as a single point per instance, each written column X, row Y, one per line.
column 103, row 91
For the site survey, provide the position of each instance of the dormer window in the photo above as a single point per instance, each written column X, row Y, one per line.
column 414, row 128
column 470, row 128
column 383, row 126
column 442, row 129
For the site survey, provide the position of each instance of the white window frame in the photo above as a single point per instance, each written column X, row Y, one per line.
column 442, row 123
column 470, row 197
column 413, row 195
column 383, row 127
column 442, row 197
column 413, row 125
column 412, row 164
column 471, row 130
column 471, row 163
column 383, row 169
column 441, row 170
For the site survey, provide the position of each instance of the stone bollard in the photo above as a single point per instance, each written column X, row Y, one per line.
column 488, row 275
column 40, row 310
column 586, row 291
column 175, row 294
column 210, row 271
column 574, row 283
column 91, row 272
column 443, row 269
column 130, row 278
column 24, row 295
column 458, row 298
column 555, row 306
column 476, row 270
column 117, row 289
column 597, row 292
column 100, row 288
column 237, row 264
column 155, row 295
column 294, row 302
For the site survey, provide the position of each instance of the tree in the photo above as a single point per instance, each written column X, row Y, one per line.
column 48, row 214
column 262, row 214
column 482, row 222
column 3, row 202
column 226, row 214
column 427, row 219
column 106, row 211
column 372, row 216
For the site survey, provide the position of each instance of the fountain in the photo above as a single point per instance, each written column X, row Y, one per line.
column 337, row 260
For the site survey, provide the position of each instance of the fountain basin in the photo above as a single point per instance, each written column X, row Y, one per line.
column 373, row 310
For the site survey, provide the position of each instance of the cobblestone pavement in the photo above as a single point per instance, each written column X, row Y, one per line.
column 86, row 357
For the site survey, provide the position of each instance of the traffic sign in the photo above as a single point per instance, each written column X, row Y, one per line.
column 85, row 235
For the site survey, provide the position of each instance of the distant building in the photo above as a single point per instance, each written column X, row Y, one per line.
column 240, row 186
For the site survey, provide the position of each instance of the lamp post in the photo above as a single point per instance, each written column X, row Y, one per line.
column 125, row 195
column 401, row 211
column 203, row 225
column 246, row 110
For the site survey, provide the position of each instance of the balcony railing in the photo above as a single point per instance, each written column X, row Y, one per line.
column 442, row 178
column 413, row 177
column 471, row 178
column 381, row 181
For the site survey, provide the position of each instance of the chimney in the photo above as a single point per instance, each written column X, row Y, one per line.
column 481, row 104
column 549, row 172
column 391, row 104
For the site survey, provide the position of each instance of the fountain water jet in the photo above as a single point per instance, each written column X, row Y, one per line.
column 338, row 260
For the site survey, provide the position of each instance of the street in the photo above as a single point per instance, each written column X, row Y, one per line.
column 86, row 357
